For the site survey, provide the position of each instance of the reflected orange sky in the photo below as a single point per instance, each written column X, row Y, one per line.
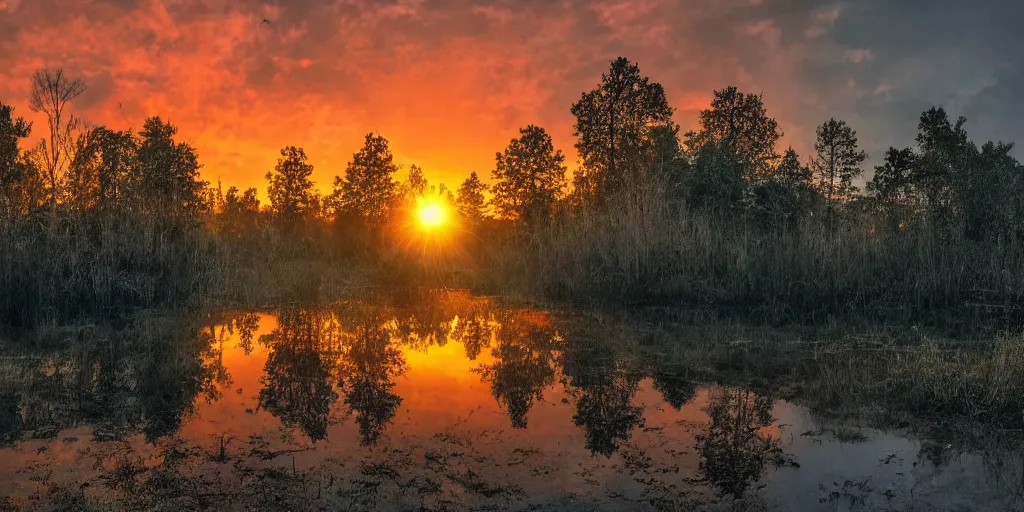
column 445, row 403
column 448, row 82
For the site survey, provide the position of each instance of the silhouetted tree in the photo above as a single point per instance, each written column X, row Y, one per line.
column 290, row 190
column 416, row 184
column 716, row 179
column 240, row 212
column 470, row 200
column 666, row 160
column 11, row 129
column 613, row 124
column 837, row 162
column 101, row 172
column 951, row 179
column 991, row 193
column 737, row 126
column 784, row 196
column 50, row 94
column 791, row 172
column 368, row 188
column 892, row 186
column 13, row 167
column 168, row 172
column 942, row 148
column 529, row 176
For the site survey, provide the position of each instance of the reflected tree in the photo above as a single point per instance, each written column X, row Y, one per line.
column 298, row 388
column 370, row 362
column 474, row 333
column 172, row 373
column 603, row 393
column 142, row 377
column 734, row 451
column 246, row 324
column 673, row 385
column 524, row 366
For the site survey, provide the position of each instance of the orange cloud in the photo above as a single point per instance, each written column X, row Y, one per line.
column 448, row 82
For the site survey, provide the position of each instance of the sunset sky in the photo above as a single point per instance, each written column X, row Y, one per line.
column 449, row 82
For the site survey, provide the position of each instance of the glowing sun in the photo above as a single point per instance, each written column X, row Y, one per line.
column 431, row 215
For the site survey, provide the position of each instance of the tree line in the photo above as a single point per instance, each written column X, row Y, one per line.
column 81, row 187
column 625, row 135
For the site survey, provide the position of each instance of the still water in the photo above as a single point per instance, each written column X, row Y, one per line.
column 453, row 403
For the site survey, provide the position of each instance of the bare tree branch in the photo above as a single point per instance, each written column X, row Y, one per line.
column 51, row 93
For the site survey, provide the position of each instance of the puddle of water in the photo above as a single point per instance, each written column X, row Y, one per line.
column 459, row 405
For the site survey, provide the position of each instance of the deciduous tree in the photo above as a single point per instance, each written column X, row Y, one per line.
column 168, row 172
column 51, row 93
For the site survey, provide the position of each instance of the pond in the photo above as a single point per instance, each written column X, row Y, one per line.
column 452, row 402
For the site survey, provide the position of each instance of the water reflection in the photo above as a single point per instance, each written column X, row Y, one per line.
column 298, row 385
column 604, row 393
column 452, row 402
column 370, row 362
column 145, row 377
column 524, row 362
column 674, row 384
column 735, row 448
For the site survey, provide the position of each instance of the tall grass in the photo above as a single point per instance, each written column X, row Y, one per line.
column 640, row 250
column 66, row 267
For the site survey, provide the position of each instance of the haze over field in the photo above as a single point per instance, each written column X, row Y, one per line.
column 449, row 82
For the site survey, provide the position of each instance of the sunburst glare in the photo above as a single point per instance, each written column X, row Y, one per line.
column 432, row 215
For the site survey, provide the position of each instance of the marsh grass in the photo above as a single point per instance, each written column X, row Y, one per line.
column 56, row 270
column 982, row 381
column 955, row 389
column 640, row 250
column 81, row 267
